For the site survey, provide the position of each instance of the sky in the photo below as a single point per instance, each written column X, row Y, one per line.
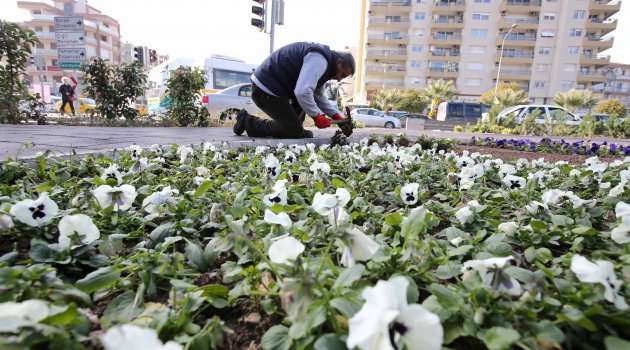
column 198, row 28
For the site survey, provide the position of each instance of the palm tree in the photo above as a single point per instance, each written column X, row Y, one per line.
column 413, row 100
column 385, row 100
column 439, row 91
column 575, row 99
column 508, row 97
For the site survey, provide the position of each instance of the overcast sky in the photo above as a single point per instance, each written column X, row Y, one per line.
column 198, row 28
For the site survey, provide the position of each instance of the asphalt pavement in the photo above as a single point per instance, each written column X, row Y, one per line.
column 26, row 141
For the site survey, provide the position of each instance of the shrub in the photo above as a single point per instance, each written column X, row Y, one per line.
column 458, row 128
column 614, row 107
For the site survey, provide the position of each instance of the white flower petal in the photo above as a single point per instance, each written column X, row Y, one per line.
column 132, row 337
column 284, row 250
column 37, row 212
column 423, row 328
column 80, row 225
column 282, row 219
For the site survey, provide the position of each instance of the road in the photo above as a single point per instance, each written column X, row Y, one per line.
column 25, row 141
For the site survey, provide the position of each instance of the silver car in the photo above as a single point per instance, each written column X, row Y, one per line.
column 225, row 104
column 544, row 114
column 371, row 117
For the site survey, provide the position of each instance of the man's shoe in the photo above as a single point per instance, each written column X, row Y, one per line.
column 306, row 134
column 241, row 122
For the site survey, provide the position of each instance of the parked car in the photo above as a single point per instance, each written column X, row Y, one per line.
column 85, row 104
column 599, row 117
column 413, row 116
column 544, row 114
column 396, row 114
column 459, row 111
column 372, row 117
column 225, row 104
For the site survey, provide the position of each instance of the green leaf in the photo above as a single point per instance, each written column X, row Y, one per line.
column 348, row 307
column 202, row 189
column 349, row 276
column 461, row 250
column 195, row 255
column 446, row 297
column 393, row 219
column 501, row 249
column 417, row 222
column 614, row 343
column 315, row 317
column 500, row 338
column 276, row 338
column 159, row 234
column 544, row 255
column 61, row 316
column 99, row 279
column 329, row 342
column 123, row 309
column 538, row 225
column 337, row 183
column 530, row 255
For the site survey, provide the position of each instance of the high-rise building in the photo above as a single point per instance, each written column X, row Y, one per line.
column 102, row 37
column 548, row 45
column 617, row 85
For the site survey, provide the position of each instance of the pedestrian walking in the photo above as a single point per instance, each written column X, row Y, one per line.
column 67, row 95
column 290, row 82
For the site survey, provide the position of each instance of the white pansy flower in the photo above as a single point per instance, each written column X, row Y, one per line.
column 289, row 157
column 465, row 161
column 152, row 202
column 272, row 165
column 77, row 228
column 361, row 248
column 278, row 194
column 456, row 241
column 506, row 169
column 575, row 172
column 621, row 233
column 202, row 171
column 184, row 153
column 514, row 183
column 385, row 311
column 14, row 316
column 208, row 147
column 281, row 219
column 325, row 203
column 553, row 196
column 260, row 150
column 37, row 212
column 120, row 197
column 509, row 228
column 284, row 250
column 466, row 215
column 112, row 173
column 156, row 148
column 532, row 208
column 490, row 271
column 320, row 168
column 135, row 150
column 602, row 272
column 617, row 190
column 6, row 223
column 409, row 193
column 140, row 164
column 131, row 337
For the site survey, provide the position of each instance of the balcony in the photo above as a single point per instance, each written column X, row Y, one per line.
column 448, row 23
column 513, row 6
column 389, row 22
column 598, row 42
column 390, row 7
column 390, row 54
column 588, row 59
column 384, row 84
column 593, row 77
column 445, row 39
column 449, row 6
column 443, row 72
column 610, row 7
column 522, row 23
column 388, row 38
column 517, row 40
column 604, row 25
column 515, row 57
column 390, row 70
column 45, row 35
column 513, row 74
column 445, row 55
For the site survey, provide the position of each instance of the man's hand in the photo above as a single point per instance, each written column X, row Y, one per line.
column 322, row 121
column 338, row 116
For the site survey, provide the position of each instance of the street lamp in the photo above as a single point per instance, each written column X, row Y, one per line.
column 496, row 85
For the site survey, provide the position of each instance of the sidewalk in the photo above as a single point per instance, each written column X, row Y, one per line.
column 68, row 140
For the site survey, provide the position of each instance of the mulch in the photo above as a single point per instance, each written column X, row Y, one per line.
column 510, row 154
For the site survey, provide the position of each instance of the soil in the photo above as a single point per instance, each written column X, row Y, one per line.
column 509, row 154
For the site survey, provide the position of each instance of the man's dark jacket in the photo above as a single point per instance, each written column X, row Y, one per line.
column 66, row 91
column 280, row 71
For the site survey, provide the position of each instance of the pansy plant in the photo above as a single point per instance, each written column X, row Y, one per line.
column 38, row 212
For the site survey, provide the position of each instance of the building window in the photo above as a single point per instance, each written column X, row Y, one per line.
column 479, row 33
column 51, row 29
column 104, row 38
column 418, row 32
column 566, row 84
column 579, row 14
column 68, row 8
column 482, row 1
column 576, row 32
column 414, row 64
column 421, row 1
column 573, row 50
column 547, row 33
column 549, row 16
column 39, row 29
column 569, row 67
column 55, row 62
column 37, row 12
column 539, row 84
column 416, row 48
column 414, row 80
column 544, row 51
column 481, row 16
column 420, row 16
column 542, row 67
column 477, row 49
column 53, row 45
column 474, row 66
column 39, row 45
column 473, row 82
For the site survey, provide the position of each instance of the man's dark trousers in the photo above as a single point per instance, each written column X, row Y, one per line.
column 286, row 116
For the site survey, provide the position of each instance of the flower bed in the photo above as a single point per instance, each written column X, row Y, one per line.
column 367, row 246
column 552, row 146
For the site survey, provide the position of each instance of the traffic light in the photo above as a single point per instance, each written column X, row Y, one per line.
column 260, row 12
column 152, row 56
column 139, row 55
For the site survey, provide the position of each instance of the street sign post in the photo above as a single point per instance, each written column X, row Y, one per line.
column 69, row 24
column 69, row 65
column 70, row 39
column 71, row 54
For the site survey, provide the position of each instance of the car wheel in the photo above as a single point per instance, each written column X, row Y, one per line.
column 228, row 114
column 389, row 125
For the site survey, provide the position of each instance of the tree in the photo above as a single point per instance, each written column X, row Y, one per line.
column 488, row 97
column 114, row 87
column 508, row 97
column 575, row 99
column 184, row 87
column 614, row 107
column 15, row 50
column 386, row 100
column 438, row 91
column 412, row 100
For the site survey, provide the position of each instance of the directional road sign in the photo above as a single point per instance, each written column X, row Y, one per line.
column 70, row 39
column 69, row 24
column 71, row 54
column 69, row 65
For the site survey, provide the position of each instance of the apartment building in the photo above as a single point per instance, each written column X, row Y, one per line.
column 548, row 45
column 102, row 37
column 617, row 85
